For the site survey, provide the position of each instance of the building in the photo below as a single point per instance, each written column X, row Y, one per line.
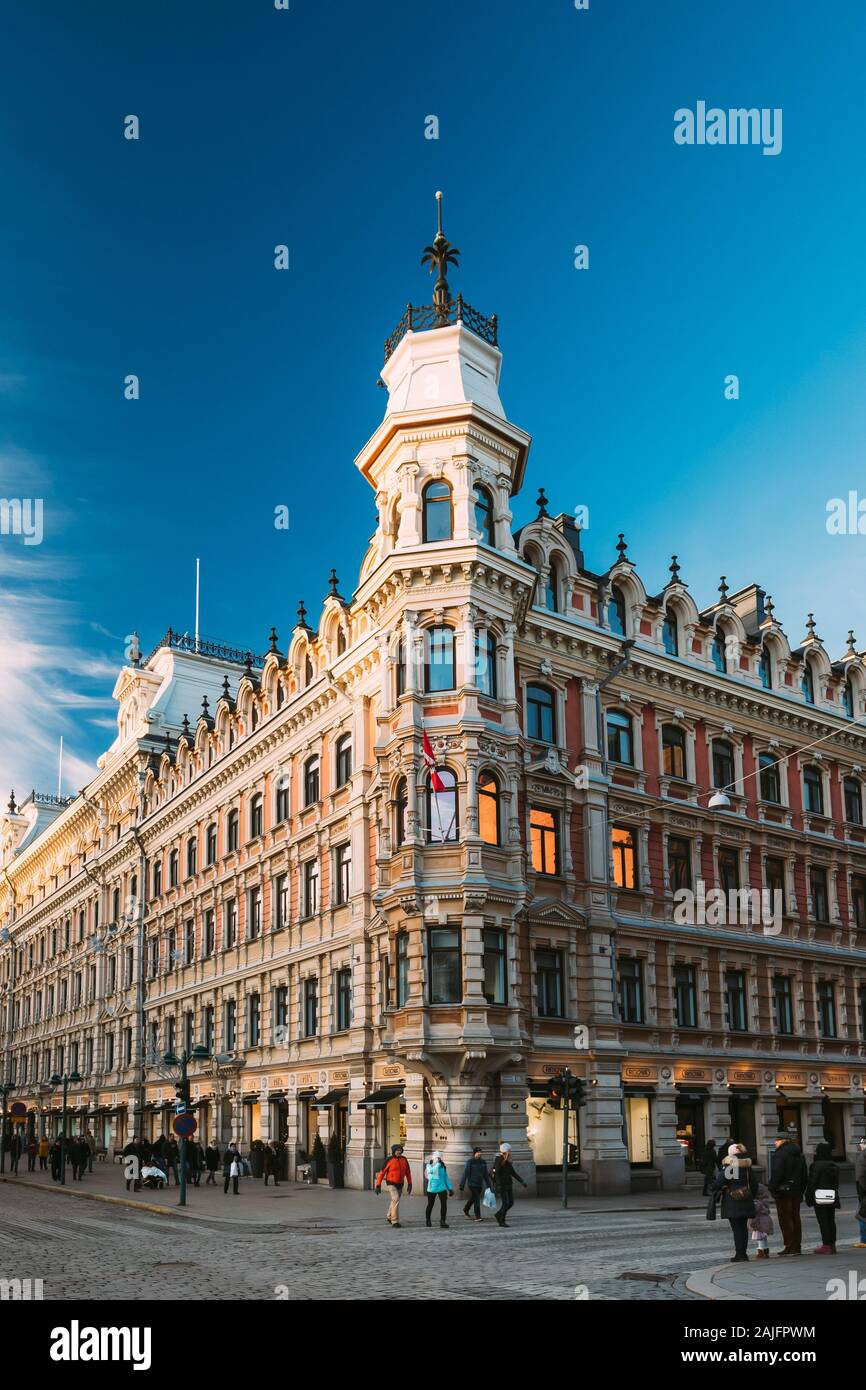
column 376, row 942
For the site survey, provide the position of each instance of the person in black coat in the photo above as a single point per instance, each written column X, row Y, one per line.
column 787, row 1183
column 55, row 1156
column 504, row 1176
column 476, row 1178
column 709, row 1165
column 824, row 1178
column 212, row 1162
column 737, row 1187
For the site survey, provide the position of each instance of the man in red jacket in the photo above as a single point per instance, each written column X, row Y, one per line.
column 395, row 1173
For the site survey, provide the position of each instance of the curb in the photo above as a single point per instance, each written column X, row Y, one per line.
column 700, row 1282
column 94, row 1197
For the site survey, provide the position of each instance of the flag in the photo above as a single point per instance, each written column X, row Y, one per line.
column 435, row 780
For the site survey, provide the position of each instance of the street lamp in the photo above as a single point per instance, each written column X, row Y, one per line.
column 198, row 1054
column 4, row 1092
column 64, row 1081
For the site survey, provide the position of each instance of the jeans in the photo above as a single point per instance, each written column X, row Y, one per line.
column 740, row 1228
column 443, row 1206
column 788, row 1211
column 234, row 1183
column 507, row 1196
column 474, row 1201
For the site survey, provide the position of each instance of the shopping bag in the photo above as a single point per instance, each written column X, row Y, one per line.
column 489, row 1199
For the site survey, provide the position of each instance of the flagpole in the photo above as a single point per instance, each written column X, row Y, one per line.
column 60, row 769
column 197, row 574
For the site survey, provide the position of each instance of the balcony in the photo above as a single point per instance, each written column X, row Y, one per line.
column 420, row 317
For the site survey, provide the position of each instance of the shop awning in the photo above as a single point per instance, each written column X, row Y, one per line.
column 251, row 1098
column 380, row 1097
column 692, row 1092
column 331, row 1098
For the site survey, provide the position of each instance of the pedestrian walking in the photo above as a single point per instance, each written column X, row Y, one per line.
column 394, row 1176
column 504, row 1175
column 170, row 1158
column 787, row 1183
column 196, row 1161
column 822, row 1193
column 133, row 1151
column 55, row 1154
column 231, row 1168
column 476, row 1177
column 437, row 1184
column 709, row 1165
column 44, row 1149
column 32, row 1149
column 860, row 1180
column 77, row 1156
column 737, row 1187
column 16, row 1148
column 270, row 1163
column 761, row 1224
column 91, row 1149
column 212, row 1162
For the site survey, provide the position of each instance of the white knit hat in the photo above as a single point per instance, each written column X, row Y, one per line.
column 505, row 1148
column 436, row 1154
column 734, row 1150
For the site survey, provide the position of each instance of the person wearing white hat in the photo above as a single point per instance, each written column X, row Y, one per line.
column 504, row 1175
column 438, row 1184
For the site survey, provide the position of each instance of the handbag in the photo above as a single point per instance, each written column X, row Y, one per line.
column 489, row 1199
column 825, row 1197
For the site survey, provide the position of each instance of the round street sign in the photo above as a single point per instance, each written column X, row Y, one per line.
column 185, row 1125
column 18, row 1110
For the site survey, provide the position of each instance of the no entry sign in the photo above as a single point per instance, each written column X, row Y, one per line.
column 185, row 1125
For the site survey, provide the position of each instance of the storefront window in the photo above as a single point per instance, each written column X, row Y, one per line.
column 638, row 1130
column 544, row 1130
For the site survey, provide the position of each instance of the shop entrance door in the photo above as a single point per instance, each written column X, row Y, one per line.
column 742, row 1113
column 834, row 1128
column 690, row 1131
column 789, row 1119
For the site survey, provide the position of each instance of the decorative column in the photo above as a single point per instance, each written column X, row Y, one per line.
column 409, row 531
column 502, row 514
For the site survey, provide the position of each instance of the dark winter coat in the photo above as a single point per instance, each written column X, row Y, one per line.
column 212, row 1158
column 228, row 1157
column 822, row 1173
column 269, row 1161
column 787, row 1170
column 475, row 1174
column 860, row 1173
column 504, row 1174
column 745, row 1181
column 710, row 1160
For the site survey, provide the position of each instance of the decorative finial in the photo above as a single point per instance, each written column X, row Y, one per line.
column 12, row 808
column 273, row 639
column 248, row 663
column 205, row 707
column 769, row 607
column 333, row 581
column 622, row 547
column 185, row 725
column 541, row 504
column 675, row 570
column 438, row 257
column 723, row 589
column 302, row 615
column 851, row 641
column 810, row 625
column 226, row 691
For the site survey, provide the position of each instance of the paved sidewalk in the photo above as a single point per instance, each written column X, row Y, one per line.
column 805, row 1278
column 293, row 1202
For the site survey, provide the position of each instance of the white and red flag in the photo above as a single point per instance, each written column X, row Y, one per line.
column 435, row 780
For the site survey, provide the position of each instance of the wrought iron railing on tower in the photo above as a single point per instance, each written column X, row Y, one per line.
column 186, row 642
column 419, row 317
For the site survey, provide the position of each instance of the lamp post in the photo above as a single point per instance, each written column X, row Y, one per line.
column 198, row 1054
column 4, row 1092
column 64, row 1081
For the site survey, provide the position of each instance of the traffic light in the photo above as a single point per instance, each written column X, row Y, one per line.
column 572, row 1086
column 181, row 1090
column 578, row 1092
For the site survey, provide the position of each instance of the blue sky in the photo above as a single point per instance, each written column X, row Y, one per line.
column 306, row 127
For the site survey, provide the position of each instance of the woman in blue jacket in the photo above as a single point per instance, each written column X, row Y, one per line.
column 438, row 1184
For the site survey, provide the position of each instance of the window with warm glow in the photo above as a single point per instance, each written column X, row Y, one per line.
column 624, row 858
column 542, row 838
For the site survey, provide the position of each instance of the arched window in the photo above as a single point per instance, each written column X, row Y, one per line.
column 671, row 633
column 853, row 801
column 720, row 658
column 256, row 824
column 766, row 669
column 485, row 663
column 442, row 826
column 807, row 684
column 308, row 672
column 551, row 588
column 488, row 808
column 311, row 780
column 401, row 807
column 211, row 844
column 813, row 790
column 620, row 747
column 439, row 666
column 768, row 775
column 848, row 697
column 281, row 694
column 616, row 612
column 673, row 751
column 401, row 666
column 540, row 720
column 343, row 759
column 484, row 514
column 191, row 857
column 724, row 770
column 436, row 504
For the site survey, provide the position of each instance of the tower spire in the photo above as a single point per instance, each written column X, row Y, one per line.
column 438, row 256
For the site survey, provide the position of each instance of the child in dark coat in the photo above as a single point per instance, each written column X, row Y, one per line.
column 761, row 1224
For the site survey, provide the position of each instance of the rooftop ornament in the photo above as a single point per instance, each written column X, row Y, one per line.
column 302, row 617
column 769, row 607
column 852, row 646
column 622, row 547
column 273, row 639
column 723, row 589
column 810, row 628
column 541, row 504
column 444, row 310
column 675, row 570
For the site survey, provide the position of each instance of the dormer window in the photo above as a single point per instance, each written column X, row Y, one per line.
column 766, row 670
column 670, row 633
column 616, row 612
column 848, row 698
column 719, row 654
column 807, row 684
